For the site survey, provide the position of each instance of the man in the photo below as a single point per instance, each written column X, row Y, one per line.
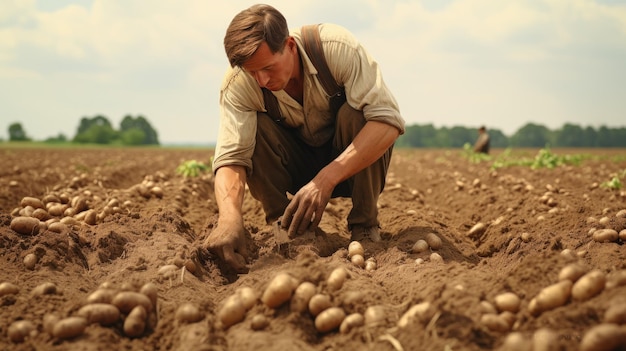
column 308, row 151
column 482, row 143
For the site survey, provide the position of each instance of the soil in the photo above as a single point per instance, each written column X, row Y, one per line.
column 535, row 222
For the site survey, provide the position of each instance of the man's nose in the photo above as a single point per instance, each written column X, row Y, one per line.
column 262, row 78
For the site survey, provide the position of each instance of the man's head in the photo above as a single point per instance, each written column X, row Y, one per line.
column 250, row 28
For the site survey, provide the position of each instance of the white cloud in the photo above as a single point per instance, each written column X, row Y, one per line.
column 463, row 62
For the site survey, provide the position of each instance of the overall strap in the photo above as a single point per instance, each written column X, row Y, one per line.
column 313, row 48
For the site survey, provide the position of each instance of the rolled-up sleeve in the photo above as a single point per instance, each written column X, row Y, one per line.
column 238, row 123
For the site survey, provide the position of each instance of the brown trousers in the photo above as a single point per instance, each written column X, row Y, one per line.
column 283, row 163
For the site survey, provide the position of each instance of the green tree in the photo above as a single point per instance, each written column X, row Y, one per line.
column 17, row 132
column 531, row 135
column 570, row 136
column 96, row 130
column 590, row 137
column 133, row 136
column 140, row 123
column 61, row 138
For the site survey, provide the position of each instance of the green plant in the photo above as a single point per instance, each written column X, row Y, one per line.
column 472, row 156
column 615, row 183
column 192, row 168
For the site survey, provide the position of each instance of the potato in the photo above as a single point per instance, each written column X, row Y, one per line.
column 50, row 198
column 44, row 289
column 128, row 300
column 516, row 341
column 336, row 279
column 589, row 285
column 69, row 327
column 420, row 246
column 49, row 321
column 351, row 321
column 436, row 258
column 7, row 288
column 188, row 313
column 58, row 227
column 477, row 231
column 572, row 271
column 622, row 235
column 355, row 248
column 151, row 291
column 487, row 307
column 507, row 302
column 259, row 322
column 318, row 303
column 603, row 337
column 605, row 235
column 79, row 203
column 249, row 296
column 301, row 297
column 616, row 313
column 90, row 217
column 371, row 264
column 135, row 322
column 25, row 225
column 102, row 295
column 329, row 319
column 30, row 261
column 508, row 317
column 101, row 313
column 41, row 214
column 157, row 191
column 31, row 201
column 551, row 297
column 20, row 330
column 279, row 290
column 495, row 323
column 421, row 312
column 434, row 241
column 57, row 210
column 358, row 261
column 26, row 211
column 375, row 315
column 545, row 339
column 232, row 311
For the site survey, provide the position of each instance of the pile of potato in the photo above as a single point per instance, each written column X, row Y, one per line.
column 576, row 283
column 57, row 213
column 320, row 301
column 431, row 242
column 133, row 311
column 356, row 254
column 60, row 210
column 602, row 232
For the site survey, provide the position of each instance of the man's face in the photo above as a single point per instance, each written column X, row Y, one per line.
column 273, row 71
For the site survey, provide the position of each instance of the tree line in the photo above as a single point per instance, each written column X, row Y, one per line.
column 133, row 131
column 529, row 135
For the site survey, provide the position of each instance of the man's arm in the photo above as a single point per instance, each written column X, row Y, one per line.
column 230, row 185
column 306, row 208
column 368, row 146
column 227, row 239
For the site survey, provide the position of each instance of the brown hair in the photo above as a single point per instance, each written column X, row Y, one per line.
column 250, row 28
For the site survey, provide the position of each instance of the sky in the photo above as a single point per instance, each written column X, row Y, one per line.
column 502, row 64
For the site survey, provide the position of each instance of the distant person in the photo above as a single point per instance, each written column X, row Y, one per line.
column 482, row 143
column 280, row 134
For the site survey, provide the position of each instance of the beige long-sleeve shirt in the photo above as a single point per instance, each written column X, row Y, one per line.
column 351, row 66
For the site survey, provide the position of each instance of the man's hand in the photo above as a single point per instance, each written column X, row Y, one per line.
column 305, row 210
column 228, row 241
